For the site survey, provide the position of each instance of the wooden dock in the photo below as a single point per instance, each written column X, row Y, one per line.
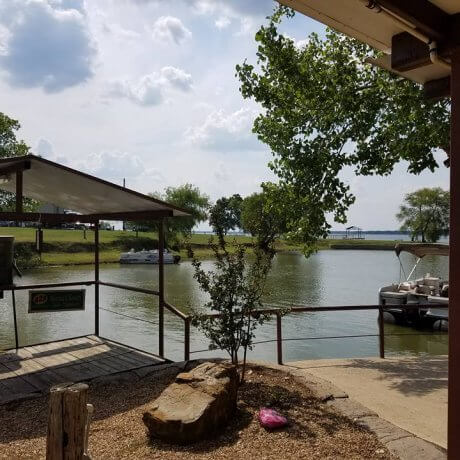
column 31, row 371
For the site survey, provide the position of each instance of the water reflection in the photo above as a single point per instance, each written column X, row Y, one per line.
column 327, row 278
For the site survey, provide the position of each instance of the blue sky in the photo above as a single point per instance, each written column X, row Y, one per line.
column 145, row 90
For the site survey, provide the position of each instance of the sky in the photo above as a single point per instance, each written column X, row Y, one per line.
column 146, row 90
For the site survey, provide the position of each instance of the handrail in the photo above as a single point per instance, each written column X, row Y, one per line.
column 129, row 288
column 13, row 287
column 176, row 311
column 186, row 318
column 302, row 309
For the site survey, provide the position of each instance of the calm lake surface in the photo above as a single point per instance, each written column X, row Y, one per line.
column 332, row 277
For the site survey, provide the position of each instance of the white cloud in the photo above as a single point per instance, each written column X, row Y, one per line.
column 169, row 28
column 45, row 149
column 222, row 22
column 119, row 32
column 301, row 43
column 225, row 132
column 115, row 166
column 150, row 90
column 48, row 44
column 234, row 7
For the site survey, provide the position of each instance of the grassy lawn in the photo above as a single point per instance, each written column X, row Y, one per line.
column 67, row 247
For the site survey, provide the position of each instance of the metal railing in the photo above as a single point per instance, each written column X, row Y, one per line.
column 175, row 311
column 279, row 313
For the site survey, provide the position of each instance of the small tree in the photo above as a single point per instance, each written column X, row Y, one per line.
column 235, row 289
column 225, row 215
column 425, row 214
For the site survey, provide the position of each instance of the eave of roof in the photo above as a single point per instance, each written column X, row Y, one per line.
column 47, row 181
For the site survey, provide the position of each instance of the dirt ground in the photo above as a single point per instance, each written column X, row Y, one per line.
column 117, row 431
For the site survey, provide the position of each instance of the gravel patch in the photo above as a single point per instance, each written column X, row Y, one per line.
column 316, row 430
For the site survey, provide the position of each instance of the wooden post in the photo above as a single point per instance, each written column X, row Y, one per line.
column 453, row 425
column 96, row 278
column 16, row 338
column 161, row 288
column 381, row 333
column 279, row 339
column 187, row 339
column 67, row 420
column 19, row 187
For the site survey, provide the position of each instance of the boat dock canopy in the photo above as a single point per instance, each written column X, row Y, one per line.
column 423, row 249
column 87, row 197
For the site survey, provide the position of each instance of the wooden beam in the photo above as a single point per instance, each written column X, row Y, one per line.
column 38, row 217
column 437, row 89
column 131, row 215
column 427, row 17
column 161, row 288
column 408, row 53
column 15, row 167
column 453, row 439
column 84, row 218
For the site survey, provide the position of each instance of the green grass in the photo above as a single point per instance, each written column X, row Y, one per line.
column 66, row 247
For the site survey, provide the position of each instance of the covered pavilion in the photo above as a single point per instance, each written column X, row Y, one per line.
column 420, row 40
column 90, row 200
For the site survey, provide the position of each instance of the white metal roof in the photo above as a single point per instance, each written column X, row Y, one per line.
column 352, row 18
column 82, row 193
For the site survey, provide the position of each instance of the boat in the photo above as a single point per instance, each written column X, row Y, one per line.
column 148, row 257
column 429, row 295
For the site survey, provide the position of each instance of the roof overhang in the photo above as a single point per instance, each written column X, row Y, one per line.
column 89, row 197
column 422, row 249
column 387, row 31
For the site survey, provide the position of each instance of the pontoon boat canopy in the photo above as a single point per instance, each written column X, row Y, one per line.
column 423, row 249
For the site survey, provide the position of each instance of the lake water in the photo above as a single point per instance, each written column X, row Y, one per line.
column 333, row 277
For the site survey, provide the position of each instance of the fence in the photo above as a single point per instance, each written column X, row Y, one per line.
column 276, row 312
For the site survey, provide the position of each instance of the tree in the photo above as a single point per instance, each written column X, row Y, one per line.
column 234, row 288
column 225, row 215
column 187, row 197
column 264, row 216
column 191, row 199
column 324, row 110
column 425, row 214
column 10, row 146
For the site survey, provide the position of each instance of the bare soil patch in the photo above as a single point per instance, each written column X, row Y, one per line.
column 316, row 431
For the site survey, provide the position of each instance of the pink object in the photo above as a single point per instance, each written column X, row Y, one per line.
column 271, row 419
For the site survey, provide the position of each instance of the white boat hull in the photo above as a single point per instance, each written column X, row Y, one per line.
column 147, row 257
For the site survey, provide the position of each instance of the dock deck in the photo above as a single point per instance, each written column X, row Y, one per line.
column 32, row 370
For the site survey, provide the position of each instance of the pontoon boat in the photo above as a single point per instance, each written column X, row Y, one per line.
column 429, row 295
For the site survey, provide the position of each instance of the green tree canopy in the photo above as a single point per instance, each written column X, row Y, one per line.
column 225, row 215
column 425, row 213
column 187, row 197
column 11, row 146
column 191, row 199
column 264, row 216
column 323, row 110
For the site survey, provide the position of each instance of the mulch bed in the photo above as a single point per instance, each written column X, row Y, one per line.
column 315, row 432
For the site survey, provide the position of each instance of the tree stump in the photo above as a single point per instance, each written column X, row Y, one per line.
column 67, row 422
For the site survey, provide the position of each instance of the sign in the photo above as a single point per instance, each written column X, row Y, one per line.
column 56, row 300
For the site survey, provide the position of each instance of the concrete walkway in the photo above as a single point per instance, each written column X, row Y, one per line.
column 409, row 392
